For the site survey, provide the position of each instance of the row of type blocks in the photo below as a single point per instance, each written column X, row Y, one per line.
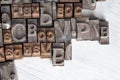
column 32, row 40
column 44, row 28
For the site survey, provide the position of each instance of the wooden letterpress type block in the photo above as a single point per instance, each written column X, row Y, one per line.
column 60, row 10
column 2, row 55
column 104, row 32
column 17, row 51
column 89, row 4
column 42, row 35
column 36, row 49
column 83, row 29
column 35, row 10
column 1, row 38
column 58, row 57
column 7, row 36
column 27, row 10
column 27, row 47
column 18, row 30
column 6, row 19
column 46, row 14
column 45, row 50
column 17, row 11
column 94, row 29
column 68, row 10
column 74, row 28
column 9, row 52
column 62, row 30
column 18, row 1
column 50, row 34
column 27, row 1
column 77, row 10
column 69, row 0
column 32, row 30
column 6, row 1
column 68, row 51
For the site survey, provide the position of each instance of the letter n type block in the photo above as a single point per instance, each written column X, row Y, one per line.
column 2, row 55
column 9, row 52
column 18, row 30
column 32, row 30
column 27, row 49
column 45, row 50
column 17, row 51
column 46, row 14
column 104, row 32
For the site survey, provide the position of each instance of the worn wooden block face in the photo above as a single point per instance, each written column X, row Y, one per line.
column 44, row 28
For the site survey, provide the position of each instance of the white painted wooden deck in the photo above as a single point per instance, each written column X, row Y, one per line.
column 90, row 61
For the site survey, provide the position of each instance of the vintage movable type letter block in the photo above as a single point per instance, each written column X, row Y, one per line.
column 73, row 28
column 89, row 4
column 46, row 14
column 42, row 35
column 68, row 51
column 27, row 49
column 62, row 30
column 36, row 49
column 83, row 29
column 9, row 52
column 77, row 10
column 35, row 10
column 17, row 11
column 27, row 10
column 2, row 55
column 17, row 51
column 32, row 30
column 68, row 10
column 18, row 1
column 27, row 1
column 6, row 19
column 69, row 0
column 7, row 37
column 45, row 50
column 50, row 32
column 58, row 54
column 60, row 10
column 1, row 38
column 18, row 30
column 6, row 1
column 94, row 29
column 104, row 32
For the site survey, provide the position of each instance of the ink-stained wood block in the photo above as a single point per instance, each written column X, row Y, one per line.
column 89, row 4
column 35, row 10
column 104, row 32
column 1, row 38
column 17, row 11
column 58, row 57
column 6, row 17
column 77, row 10
column 9, row 52
column 32, row 30
column 45, row 50
column 36, row 49
column 17, row 51
column 7, row 37
column 68, row 10
column 2, row 55
column 50, row 32
column 27, row 47
column 69, row 0
column 42, row 35
column 46, row 14
column 60, row 10
column 27, row 10
column 18, row 30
